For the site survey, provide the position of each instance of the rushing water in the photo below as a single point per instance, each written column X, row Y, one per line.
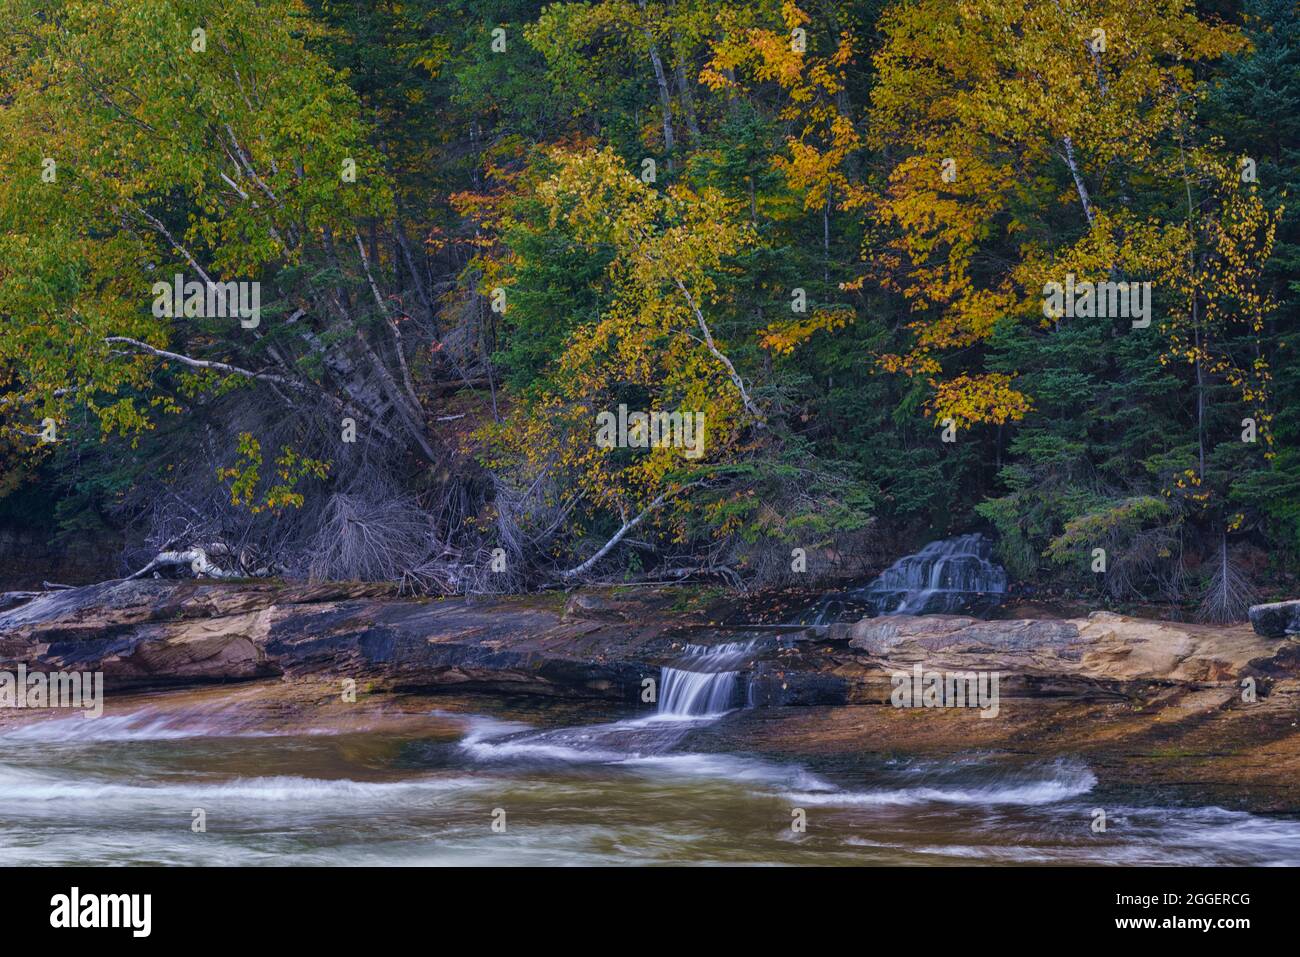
column 945, row 577
column 703, row 682
column 951, row 576
column 675, row 783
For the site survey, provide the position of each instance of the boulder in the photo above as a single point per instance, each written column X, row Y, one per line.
column 1277, row 619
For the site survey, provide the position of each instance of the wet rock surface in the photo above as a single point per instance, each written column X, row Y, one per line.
column 1103, row 647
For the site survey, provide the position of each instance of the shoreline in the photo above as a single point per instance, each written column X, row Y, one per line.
column 1151, row 705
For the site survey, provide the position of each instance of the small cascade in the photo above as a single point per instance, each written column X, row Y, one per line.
column 944, row 578
column 701, row 684
column 703, row 680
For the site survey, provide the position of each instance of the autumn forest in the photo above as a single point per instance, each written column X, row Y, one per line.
column 334, row 290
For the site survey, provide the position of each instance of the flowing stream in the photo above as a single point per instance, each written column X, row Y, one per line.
column 676, row 782
column 944, row 578
column 704, row 682
column 222, row 777
column 947, row 577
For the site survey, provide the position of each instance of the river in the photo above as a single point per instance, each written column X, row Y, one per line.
column 486, row 780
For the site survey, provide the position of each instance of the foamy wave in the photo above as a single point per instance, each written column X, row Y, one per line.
column 147, row 724
column 641, row 745
column 481, row 728
column 537, row 751
column 488, row 739
column 1231, row 833
column 723, row 767
column 1060, row 782
column 25, row 785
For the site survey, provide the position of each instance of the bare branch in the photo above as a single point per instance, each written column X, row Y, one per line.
column 628, row 526
column 202, row 363
column 166, row 234
column 739, row 383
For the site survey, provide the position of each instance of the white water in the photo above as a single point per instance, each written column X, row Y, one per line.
column 697, row 689
column 146, row 724
column 703, row 680
column 676, row 786
column 942, row 578
column 950, row 576
column 1047, row 784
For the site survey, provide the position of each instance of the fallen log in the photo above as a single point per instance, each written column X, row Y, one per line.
column 195, row 558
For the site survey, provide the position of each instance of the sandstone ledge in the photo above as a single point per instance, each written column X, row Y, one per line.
column 1147, row 704
column 148, row 634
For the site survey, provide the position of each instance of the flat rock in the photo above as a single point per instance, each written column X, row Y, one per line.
column 1105, row 646
column 150, row 634
column 879, row 636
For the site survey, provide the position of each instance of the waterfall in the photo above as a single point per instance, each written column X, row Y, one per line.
column 946, row 577
column 703, row 680
column 701, row 684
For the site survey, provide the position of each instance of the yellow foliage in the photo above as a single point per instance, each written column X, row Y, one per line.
column 969, row 400
column 783, row 337
column 670, row 252
column 988, row 105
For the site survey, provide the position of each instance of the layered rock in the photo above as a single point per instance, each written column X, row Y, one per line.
column 154, row 633
column 1214, row 711
column 1104, row 646
column 157, row 633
